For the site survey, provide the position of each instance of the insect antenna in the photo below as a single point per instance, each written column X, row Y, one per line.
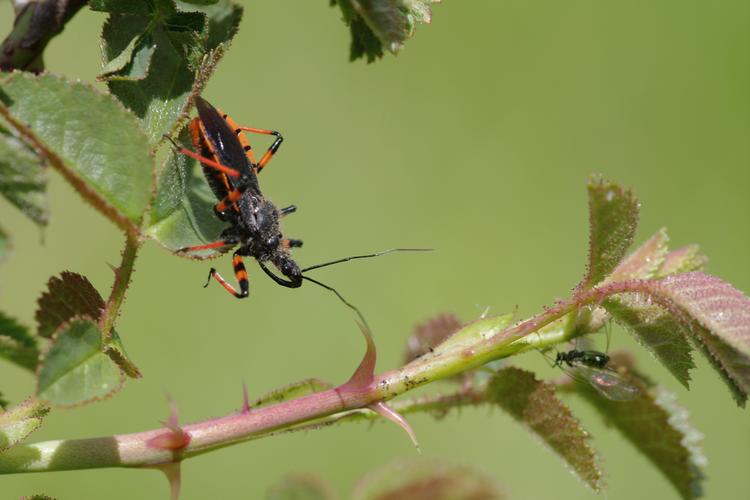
column 341, row 298
column 367, row 256
column 347, row 259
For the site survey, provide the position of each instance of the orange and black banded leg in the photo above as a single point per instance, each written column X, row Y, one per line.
column 271, row 150
column 208, row 246
column 205, row 161
column 230, row 199
column 240, row 272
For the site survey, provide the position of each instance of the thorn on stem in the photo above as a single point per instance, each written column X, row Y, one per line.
column 386, row 411
column 173, row 473
column 245, row 400
column 174, row 438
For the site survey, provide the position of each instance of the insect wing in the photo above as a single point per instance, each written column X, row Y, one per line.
column 608, row 383
column 224, row 141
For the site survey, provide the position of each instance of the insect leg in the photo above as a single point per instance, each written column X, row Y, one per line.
column 288, row 210
column 206, row 161
column 271, row 150
column 239, row 272
column 208, row 246
column 290, row 243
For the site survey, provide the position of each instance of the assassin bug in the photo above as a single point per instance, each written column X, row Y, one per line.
column 231, row 171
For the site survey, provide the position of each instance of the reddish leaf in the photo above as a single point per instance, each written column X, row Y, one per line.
column 718, row 317
column 431, row 333
column 67, row 296
column 534, row 404
column 682, row 260
column 300, row 487
column 644, row 261
column 426, row 480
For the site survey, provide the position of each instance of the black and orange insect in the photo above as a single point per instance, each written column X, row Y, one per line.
column 231, row 171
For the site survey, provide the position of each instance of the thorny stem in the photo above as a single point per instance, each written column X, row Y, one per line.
column 138, row 449
column 120, row 285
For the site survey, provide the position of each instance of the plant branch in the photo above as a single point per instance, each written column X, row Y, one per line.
column 36, row 23
column 146, row 449
column 120, row 285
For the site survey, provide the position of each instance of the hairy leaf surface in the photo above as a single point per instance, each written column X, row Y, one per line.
column 180, row 41
column 379, row 24
column 682, row 260
column 68, row 296
column 23, row 180
column 658, row 427
column 718, row 317
column 20, row 421
column 657, row 330
column 17, row 344
column 613, row 218
column 96, row 144
column 74, row 370
column 182, row 214
column 534, row 404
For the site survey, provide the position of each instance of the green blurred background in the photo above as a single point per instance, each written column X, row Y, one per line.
column 477, row 140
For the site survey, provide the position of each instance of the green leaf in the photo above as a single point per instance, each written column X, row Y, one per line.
column 116, row 351
column 659, row 429
column 22, row 178
column 68, row 296
column 17, row 344
column 87, row 136
column 20, row 421
column 73, row 295
column 291, row 391
column 182, row 214
column 425, row 479
column 656, row 330
column 74, row 370
column 223, row 20
column 364, row 42
column 132, row 63
column 184, row 46
column 534, row 404
column 300, row 487
column 383, row 23
column 613, row 213
column 121, row 6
